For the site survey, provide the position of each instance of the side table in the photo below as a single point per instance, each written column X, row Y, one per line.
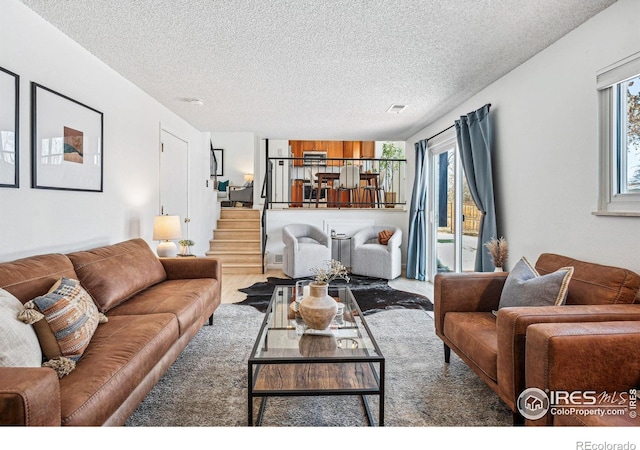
column 340, row 239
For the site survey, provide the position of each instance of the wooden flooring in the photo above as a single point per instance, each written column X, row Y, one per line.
column 232, row 282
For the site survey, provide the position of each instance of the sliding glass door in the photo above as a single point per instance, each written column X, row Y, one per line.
column 453, row 216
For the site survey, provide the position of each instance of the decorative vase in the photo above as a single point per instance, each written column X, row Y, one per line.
column 498, row 269
column 318, row 308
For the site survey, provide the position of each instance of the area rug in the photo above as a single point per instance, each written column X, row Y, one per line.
column 207, row 385
column 372, row 294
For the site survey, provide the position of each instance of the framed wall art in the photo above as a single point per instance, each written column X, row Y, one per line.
column 9, row 128
column 218, row 155
column 66, row 143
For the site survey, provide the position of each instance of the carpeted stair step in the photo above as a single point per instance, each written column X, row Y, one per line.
column 226, row 224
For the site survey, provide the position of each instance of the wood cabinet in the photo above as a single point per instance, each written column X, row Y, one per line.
column 334, row 149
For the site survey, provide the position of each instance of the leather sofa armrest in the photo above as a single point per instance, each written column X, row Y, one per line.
column 190, row 268
column 466, row 292
column 29, row 396
column 590, row 356
column 512, row 325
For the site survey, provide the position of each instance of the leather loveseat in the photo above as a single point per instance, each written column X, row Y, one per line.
column 154, row 308
column 494, row 345
column 596, row 367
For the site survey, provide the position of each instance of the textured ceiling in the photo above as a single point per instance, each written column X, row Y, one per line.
column 312, row 69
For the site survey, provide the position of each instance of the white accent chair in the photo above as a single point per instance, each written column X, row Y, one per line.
column 372, row 259
column 305, row 248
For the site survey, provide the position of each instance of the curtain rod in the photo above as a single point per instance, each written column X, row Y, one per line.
column 448, row 128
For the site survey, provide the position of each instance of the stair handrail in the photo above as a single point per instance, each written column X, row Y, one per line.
column 266, row 194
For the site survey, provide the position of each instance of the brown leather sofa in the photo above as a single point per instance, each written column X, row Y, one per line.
column 596, row 362
column 154, row 308
column 494, row 347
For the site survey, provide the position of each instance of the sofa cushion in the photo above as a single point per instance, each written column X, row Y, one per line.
column 19, row 346
column 113, row 273
column 187, row 299
column 593, row 284
column 64, row 320
column 475, row 335
column 30, row 277
column 526, row 287
column 122, row 354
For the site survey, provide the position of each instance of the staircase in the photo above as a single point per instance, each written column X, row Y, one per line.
column 236, row 241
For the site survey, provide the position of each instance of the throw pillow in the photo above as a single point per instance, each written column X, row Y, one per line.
column 524, row 286
column 65, row 320
column 384, row 235
column 223, row 185
column 19, row 345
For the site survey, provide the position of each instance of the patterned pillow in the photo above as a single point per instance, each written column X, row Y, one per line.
column 526, row 287
column 19, row 345
column 384, row 236
column 65, row 320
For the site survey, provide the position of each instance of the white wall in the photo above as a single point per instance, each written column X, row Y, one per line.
column 35, row 221
column 545, row 152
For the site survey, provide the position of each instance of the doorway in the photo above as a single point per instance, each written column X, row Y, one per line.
column 174, row 178
column 454, row 217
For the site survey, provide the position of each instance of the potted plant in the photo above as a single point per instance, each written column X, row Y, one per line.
column 185, row 247
column 390, row 152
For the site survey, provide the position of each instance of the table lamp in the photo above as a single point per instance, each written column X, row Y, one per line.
column 248, row 177
column 165, row 229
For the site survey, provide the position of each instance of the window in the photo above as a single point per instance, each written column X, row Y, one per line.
column 619, row 138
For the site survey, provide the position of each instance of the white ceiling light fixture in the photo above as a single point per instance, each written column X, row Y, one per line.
column 396, row 108
column 195, row 101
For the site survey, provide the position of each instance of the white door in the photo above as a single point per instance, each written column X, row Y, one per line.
column 174, row 176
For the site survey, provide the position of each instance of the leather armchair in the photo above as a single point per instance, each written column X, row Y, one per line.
column 305, row 248
column 600, row 357
column 494, row 347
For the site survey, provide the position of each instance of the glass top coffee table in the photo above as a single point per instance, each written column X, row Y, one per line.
column 288, row 359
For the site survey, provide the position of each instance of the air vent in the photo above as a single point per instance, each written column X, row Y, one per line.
column 277, row 259
column 396, row 108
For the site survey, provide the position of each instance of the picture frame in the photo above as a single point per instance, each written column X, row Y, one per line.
column 66, row 142
column 9, row 129
column 218, row 155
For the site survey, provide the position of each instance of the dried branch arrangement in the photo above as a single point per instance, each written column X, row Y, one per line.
column 499, row 251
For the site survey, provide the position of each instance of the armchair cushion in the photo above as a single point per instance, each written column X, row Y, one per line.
column 526, row 287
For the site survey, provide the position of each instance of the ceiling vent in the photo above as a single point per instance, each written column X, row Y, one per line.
column 396, row 108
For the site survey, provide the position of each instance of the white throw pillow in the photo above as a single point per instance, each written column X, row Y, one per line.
column 19, row 346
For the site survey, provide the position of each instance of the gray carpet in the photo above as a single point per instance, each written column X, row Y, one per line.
column 207, row 385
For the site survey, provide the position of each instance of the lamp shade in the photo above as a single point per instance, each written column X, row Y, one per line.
column 248, row 177
column 166, row 228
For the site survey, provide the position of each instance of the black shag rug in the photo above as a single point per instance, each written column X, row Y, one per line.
column 372, row 294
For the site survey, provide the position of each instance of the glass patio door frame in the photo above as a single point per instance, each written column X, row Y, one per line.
column 445, row 145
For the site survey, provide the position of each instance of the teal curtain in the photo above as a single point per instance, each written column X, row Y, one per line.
column 417, row 242
column 474, row 136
